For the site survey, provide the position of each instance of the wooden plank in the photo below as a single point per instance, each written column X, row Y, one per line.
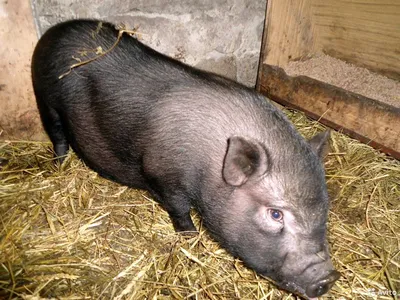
column 288, row 32
column 19, row 116
column 363, row 32
column 365, row 119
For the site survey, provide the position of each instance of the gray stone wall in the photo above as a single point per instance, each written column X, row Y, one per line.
column 223, row 36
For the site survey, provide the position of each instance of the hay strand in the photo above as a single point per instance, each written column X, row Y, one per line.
column 66, row 233
column 99, row 50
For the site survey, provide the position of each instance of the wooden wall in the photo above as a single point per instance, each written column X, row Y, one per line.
column 19, row 116
column 364, row 32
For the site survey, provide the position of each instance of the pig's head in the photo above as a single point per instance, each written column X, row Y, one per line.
column 277, row 213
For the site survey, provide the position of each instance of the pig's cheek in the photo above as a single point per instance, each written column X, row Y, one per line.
column 266, row 223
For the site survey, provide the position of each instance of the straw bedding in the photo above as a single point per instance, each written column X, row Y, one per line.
column 66, row 233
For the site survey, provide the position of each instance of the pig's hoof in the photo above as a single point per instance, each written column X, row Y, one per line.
column 61, row 151
column 3, row 161
column 183, row 224
column 189, row 229
column 188, row 234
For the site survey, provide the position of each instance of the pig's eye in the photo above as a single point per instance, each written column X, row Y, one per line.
column 276, row 215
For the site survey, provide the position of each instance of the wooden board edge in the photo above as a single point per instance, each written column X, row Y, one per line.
column 263, row 53
column 336, row 108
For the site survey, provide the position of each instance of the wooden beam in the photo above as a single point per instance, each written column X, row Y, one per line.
column 370, row 121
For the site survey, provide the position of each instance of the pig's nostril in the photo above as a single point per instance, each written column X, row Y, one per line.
column 323, row 285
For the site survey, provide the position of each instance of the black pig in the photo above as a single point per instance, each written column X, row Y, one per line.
column 190, row 138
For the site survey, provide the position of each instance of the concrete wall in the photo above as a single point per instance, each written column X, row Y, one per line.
column 223, row 36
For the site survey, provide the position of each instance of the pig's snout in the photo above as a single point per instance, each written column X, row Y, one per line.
column 322, row 285
column 310, row 275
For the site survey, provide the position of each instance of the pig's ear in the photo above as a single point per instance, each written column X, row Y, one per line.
column 320, row 143
column 243, row 159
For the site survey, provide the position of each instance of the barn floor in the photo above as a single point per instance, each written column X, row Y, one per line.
column 66, row 233
column 349, row 77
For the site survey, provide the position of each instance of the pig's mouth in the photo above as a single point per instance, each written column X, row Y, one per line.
column 294, row 288
column 313, row 290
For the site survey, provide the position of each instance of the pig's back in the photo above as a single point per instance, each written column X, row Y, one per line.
column 134, row 103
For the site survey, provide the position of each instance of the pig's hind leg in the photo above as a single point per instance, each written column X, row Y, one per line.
column 53, row 125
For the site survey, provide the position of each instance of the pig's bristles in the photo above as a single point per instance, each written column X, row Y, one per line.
column 120, row 33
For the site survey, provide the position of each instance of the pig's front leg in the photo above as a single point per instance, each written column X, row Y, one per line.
column 178, row 207
column 182, row 222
